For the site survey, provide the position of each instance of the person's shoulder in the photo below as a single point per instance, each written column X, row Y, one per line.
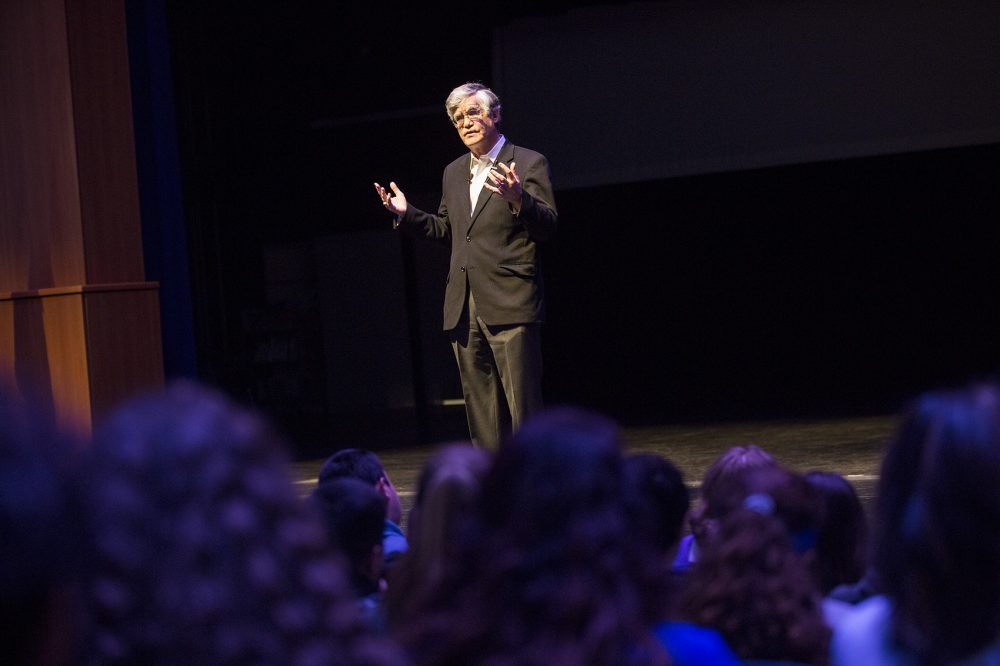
column 864, row 633
column 523, row 154
column 463, row 161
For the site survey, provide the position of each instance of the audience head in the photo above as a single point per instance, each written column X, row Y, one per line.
column 204, row 551
column 842, row 543
column 354, row 513
column 753, row 582
column 727, row 470
column 547, row 574
column 365, row 466
column 446, row 499
column 661, row 500
column 938, row 524
column 39, row 538
column 447, row 491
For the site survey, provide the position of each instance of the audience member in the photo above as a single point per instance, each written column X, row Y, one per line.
column 447, row 492
column 658, row 506
column 548, row 573
column 354, row 514
column 734, row 462
column 366, row 466
column 937, row 539
column 39, row 539
column 842, row 542
column 204, row 553
column 753, row 580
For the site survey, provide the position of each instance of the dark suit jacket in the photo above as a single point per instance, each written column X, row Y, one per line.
column 493, row 252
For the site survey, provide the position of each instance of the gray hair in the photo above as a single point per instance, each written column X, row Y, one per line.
column 484, row 95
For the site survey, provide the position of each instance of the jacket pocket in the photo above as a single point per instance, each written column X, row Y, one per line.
column 520, row 270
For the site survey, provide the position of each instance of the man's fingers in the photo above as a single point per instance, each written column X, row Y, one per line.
column 394, row 188
column 509, row 171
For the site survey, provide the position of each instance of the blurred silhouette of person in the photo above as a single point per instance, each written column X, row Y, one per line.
column 753, row 581
column 204, row 553
column 447, row 491
column 737, row 460
column 842, row 543
column 549, row 573
column 354, row 513
column 658, row 506
column 40, row 537
column 365, row 466
column 937, row 539
column 496, row 207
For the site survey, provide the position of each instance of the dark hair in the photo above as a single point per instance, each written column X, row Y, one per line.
column 204, row 551
column 354, row 514
column 353, row 464
column 547, row 575
column 842, row 543
column 938, row 524
column 661, row 499
column 752, row 581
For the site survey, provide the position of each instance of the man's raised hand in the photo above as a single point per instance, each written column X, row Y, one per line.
column 507, row 184
column 395, row 203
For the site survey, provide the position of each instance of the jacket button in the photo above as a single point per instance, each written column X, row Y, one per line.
column 468, row 239
column 463, row 269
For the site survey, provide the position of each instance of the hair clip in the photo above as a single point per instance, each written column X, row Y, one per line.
column 762, row 503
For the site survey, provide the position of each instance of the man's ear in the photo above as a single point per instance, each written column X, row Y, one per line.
column 382, row 486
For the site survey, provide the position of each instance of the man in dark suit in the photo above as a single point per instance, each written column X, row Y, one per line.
column 496, row 206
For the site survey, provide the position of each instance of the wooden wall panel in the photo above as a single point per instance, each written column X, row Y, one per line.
column 105, row 143
column 7, row 377
column 43, row 353
column 123, row 345
column 41, row 237
column 68, row 368
column 78, row 327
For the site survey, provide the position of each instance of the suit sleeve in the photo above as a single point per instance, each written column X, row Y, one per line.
column 421, row 224
column 538, row 205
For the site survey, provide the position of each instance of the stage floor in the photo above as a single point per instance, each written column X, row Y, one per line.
column 848, row 446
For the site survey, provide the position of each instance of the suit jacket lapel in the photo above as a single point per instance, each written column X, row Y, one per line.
column 461, row 182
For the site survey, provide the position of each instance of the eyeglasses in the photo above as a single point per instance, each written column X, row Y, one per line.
column 472, row 113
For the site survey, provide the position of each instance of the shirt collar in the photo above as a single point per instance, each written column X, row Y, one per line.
column 493, row 153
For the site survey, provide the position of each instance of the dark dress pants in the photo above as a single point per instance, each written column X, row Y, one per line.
column 501, row 371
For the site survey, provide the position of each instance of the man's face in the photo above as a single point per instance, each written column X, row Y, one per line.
column 475, row 126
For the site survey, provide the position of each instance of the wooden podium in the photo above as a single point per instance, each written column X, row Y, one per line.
column 79, row 325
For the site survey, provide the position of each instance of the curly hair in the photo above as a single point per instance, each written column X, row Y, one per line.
column 203, row 552
column 753, row 582
column 546, row 573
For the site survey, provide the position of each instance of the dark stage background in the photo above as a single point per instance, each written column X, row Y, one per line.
column 806, row 247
